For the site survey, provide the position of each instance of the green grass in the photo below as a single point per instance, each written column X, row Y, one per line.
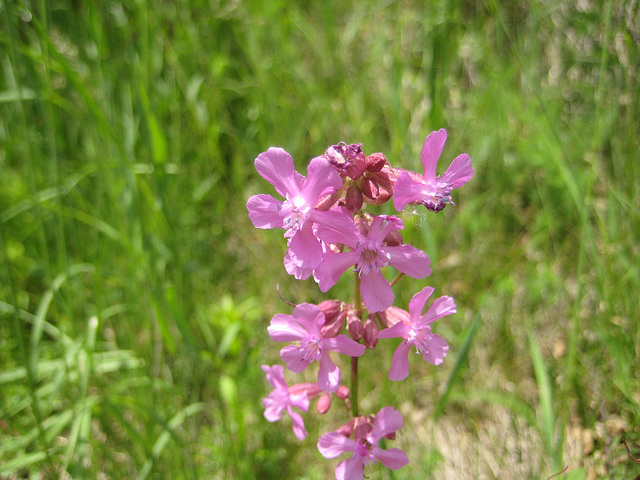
column 135, row 294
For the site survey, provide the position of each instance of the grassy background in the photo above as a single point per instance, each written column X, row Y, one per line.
column 134, row 293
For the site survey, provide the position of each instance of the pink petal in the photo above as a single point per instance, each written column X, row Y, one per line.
column 295, row 358
column 350, row 469
column 333, row 265
column 292, row 269
column 383, row 225
column 344, row 345
column 263, row 211
column 417, row 303
column 298, row 424
column 322, row 179
column 336, row 227
column 299, row 400
column 431, row 151
column 284, row 328
column 441, row 307
column 459, row 172
column 305, row 249
column 400, row 362
column 409, row 260
column 276, row 167
column 275, row 376
column 273, row 410
column 332, row 444
column 436, row 351
column 345, row 232
column 393, row 458
column 377, row 295
column 328, row 374
column 400, row 330
column 310, row 317
column 388, row 420
column 406, row 191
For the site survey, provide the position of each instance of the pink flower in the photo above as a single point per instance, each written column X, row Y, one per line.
column 281, row 399
column 297, row 213
column 416, row 331
column 431, row 191
column 369, row 253
column 365, row 446
column 304, row 327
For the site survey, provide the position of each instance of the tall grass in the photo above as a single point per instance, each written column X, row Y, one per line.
column 134, row 294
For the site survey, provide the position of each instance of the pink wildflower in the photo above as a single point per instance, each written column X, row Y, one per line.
column 281, row 399
column 304, row 327
column 431, row 191
column 369, row 253
column 416, row 331
column 297, row 213
column 364, row 445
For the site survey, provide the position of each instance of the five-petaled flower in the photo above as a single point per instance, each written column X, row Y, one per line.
column 369, row 253
column 365, row 446
column 297, row 213
column 431, row 191
column 281, row 399
column 304, row 327
column 416, row 331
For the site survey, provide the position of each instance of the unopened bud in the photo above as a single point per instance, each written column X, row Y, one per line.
column 393, row 315
column 386, row 177
column 347, row 428
column 353, row 198
column 370, row 188
column 332, row 328
column 324, row 403
column 330, row 308
column 393, row 239
column 375, row 162
column 342, row 392
column 370, row 332
column 354, row 326
column 311, row 389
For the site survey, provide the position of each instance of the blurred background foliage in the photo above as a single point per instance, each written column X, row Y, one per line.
column 135, row 294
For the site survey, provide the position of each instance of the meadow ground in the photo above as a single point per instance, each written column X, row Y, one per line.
column 135, row 293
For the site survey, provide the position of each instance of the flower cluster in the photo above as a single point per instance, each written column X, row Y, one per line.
column 328, row 232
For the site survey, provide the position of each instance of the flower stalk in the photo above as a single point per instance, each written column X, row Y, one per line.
column 327, row 231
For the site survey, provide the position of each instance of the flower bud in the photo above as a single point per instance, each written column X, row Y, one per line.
column 393, row 239
column 393, row 315
column 342, row 392
column 370, row 188
column 386, row 177
column 330, row 308
column 353, row 198
column 311, row 389
column 370, row 332
column 332, row 329
column 354, row 326
column 375, row 162
column 324, row 403
column 347, row 428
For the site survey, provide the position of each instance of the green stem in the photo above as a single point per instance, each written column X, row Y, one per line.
column 357, row 303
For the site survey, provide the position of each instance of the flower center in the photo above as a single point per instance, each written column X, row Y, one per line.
column 311, row 348
column 371, row 258
column 420, row 338
column 294, row 212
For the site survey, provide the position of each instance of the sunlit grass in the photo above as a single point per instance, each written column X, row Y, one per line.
column 134, row 293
